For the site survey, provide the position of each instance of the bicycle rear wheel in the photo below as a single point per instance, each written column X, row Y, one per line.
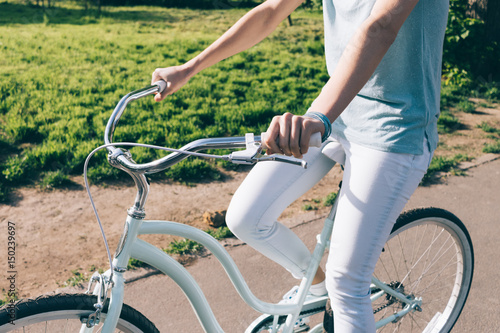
column 64, row 313
column 429, row 254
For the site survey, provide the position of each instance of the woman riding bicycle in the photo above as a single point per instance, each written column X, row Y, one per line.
column 378, row 117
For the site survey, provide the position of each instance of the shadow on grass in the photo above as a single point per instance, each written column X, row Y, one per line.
column 19, row 13
column 15, row 13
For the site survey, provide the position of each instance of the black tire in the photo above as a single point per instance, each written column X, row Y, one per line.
column 63, row 313
column 429, row 254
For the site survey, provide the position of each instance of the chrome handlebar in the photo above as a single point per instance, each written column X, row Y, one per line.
column 122, row 104
column 122, row 159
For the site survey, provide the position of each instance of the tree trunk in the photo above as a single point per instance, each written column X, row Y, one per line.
column 477, row 9
column 489, row 12
column 492, row 20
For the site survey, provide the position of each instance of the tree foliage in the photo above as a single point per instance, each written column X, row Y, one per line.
column 469, row 53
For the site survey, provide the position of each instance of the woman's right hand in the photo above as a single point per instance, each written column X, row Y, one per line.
column 175, row 77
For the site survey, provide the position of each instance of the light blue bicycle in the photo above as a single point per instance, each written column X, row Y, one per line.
column 420, row 284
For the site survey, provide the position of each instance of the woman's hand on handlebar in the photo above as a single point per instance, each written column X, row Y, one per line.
column 289, row 134
column 175, row 77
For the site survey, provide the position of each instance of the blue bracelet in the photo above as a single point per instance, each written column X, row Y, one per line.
column 324, row 119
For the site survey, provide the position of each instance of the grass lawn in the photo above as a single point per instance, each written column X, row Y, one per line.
column 63, row 72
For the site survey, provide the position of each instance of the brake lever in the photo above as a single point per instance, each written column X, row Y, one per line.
column 283, row 158
column 248, row 156
column 253, row 154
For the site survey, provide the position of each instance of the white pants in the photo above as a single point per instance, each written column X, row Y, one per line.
column 376, row 186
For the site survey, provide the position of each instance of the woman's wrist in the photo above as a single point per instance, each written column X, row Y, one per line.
column 190, row 68
column 324, row 119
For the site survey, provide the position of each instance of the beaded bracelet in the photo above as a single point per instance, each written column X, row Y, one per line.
column 324, row 119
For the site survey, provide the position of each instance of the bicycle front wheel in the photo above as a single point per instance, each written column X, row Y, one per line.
column 65, row 313
column 429, row 255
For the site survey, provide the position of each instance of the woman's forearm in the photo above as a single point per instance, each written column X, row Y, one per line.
column 248, row 31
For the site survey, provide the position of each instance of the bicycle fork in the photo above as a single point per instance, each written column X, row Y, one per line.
column 112, row 281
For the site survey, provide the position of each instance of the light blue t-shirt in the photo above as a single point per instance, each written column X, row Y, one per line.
column 399, row 105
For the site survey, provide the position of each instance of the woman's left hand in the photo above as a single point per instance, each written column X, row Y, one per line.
column 289, row 134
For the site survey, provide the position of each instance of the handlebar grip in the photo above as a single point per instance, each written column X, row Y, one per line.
column 161, row 85
column 314, row 141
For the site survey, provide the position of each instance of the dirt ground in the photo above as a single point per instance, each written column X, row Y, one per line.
column 57, row 234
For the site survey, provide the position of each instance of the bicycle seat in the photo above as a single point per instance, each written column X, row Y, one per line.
column 334, row 151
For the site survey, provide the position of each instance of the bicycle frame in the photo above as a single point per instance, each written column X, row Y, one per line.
column 141, row 250
column 131, row 246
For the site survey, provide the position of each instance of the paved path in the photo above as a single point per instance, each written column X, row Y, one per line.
column 473, row 198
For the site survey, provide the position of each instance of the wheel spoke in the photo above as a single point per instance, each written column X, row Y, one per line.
column 437, row 275
column 427, row 269
column 425, row 254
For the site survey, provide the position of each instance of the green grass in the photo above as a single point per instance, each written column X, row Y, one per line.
column 443, row 164
column 317, row 203
column 186, row 246
column 8, row 297
column 54, row 179
column 493, row 148
column 330, row 199
column 466, row 106
column 308, row 207
column 488, row 128
column 450, row 96
column 494, row 134
column 62, row 77
column 63, row 70
column 134, row 264
column 448, row 123
column 220, row 233
column 77, row 279
column 183, row 246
